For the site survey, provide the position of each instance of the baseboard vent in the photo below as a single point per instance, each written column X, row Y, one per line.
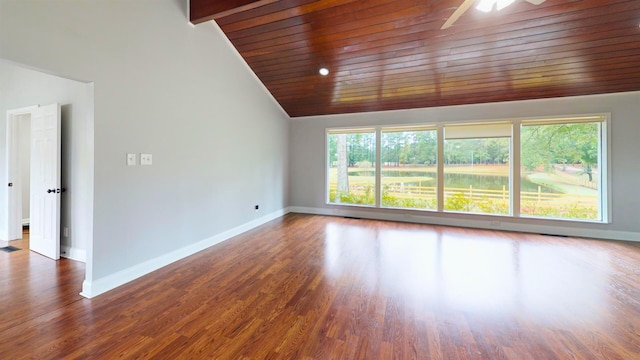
column 9, row 249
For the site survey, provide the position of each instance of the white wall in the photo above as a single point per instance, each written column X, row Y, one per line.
column 307, row 161
column 20, row 87
column 219, row 141
column 24, row 147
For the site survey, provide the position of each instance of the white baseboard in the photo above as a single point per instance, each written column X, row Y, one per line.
column 473, row 223
column 25, row 222
column 94, row 288
column 73, row 253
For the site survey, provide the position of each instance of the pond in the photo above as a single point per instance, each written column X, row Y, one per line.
column 488, row 182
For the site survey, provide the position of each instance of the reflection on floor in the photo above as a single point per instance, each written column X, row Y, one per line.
column 316, row 287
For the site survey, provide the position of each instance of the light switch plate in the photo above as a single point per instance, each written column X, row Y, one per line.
column 131, row 159
column 146, row 159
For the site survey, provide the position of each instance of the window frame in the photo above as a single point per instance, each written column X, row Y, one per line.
column 407, row 128
column 327, row 163
column 500, row 129
column 604, row 174
column 604, row 158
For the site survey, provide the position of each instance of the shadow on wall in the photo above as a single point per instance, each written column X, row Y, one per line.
column 183, row 5
column 66, row 152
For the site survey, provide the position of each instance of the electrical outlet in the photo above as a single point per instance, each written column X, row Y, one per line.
column 495, row 223
column 146, row 159
column 131, row 159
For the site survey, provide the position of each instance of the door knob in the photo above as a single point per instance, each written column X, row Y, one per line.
column 49, row 191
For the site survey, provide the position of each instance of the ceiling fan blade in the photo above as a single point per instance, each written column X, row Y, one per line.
column 459, row 11
column 536, row 2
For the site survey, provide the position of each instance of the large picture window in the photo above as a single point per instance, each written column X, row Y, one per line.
column 351, row 169
column 561, row 168
column 476, row 169
column 542, row 168
column 409, row 168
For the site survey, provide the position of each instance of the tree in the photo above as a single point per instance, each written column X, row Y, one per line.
column 392, row 143
column 409, row 147
column 547, row 145
column 343, row 169
column 426, row 147
column 496, row 152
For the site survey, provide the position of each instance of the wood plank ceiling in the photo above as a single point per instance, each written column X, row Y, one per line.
column 392, row 54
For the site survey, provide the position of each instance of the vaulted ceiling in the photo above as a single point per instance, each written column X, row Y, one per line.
column 392, row 54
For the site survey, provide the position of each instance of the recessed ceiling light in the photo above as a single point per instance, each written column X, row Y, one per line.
column 485, row 6
column 488, row 5
column 324, row 71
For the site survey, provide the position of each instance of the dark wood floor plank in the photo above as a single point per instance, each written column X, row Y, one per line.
column 315, row 287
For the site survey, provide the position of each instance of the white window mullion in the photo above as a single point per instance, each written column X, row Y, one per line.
column 605, row 173
column 515, row 170
column 440, row 169
column 378, row 166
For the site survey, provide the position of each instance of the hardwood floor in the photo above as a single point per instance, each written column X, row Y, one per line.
column 32, row 286
column 314, row 287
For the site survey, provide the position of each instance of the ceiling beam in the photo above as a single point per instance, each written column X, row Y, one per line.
column 205, row 10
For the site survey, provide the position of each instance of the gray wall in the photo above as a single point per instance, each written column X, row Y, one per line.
column 20, row 87
column 308, row 160
column 161, row 86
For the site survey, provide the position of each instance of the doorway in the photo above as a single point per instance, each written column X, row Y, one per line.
column 18, row 166
column 38, row 129
column 24, row 166
column 21, row 86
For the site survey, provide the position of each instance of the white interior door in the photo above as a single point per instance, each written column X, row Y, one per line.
column 44, row 227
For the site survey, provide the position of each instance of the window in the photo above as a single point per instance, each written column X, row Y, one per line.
column 542, row 168
column 409, row 168
column 476, row 169
column 561, row 168
column 351, row 169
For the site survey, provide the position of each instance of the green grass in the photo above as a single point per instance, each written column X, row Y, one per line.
column 558, row 184
column 493, row 170
column 459, row 202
